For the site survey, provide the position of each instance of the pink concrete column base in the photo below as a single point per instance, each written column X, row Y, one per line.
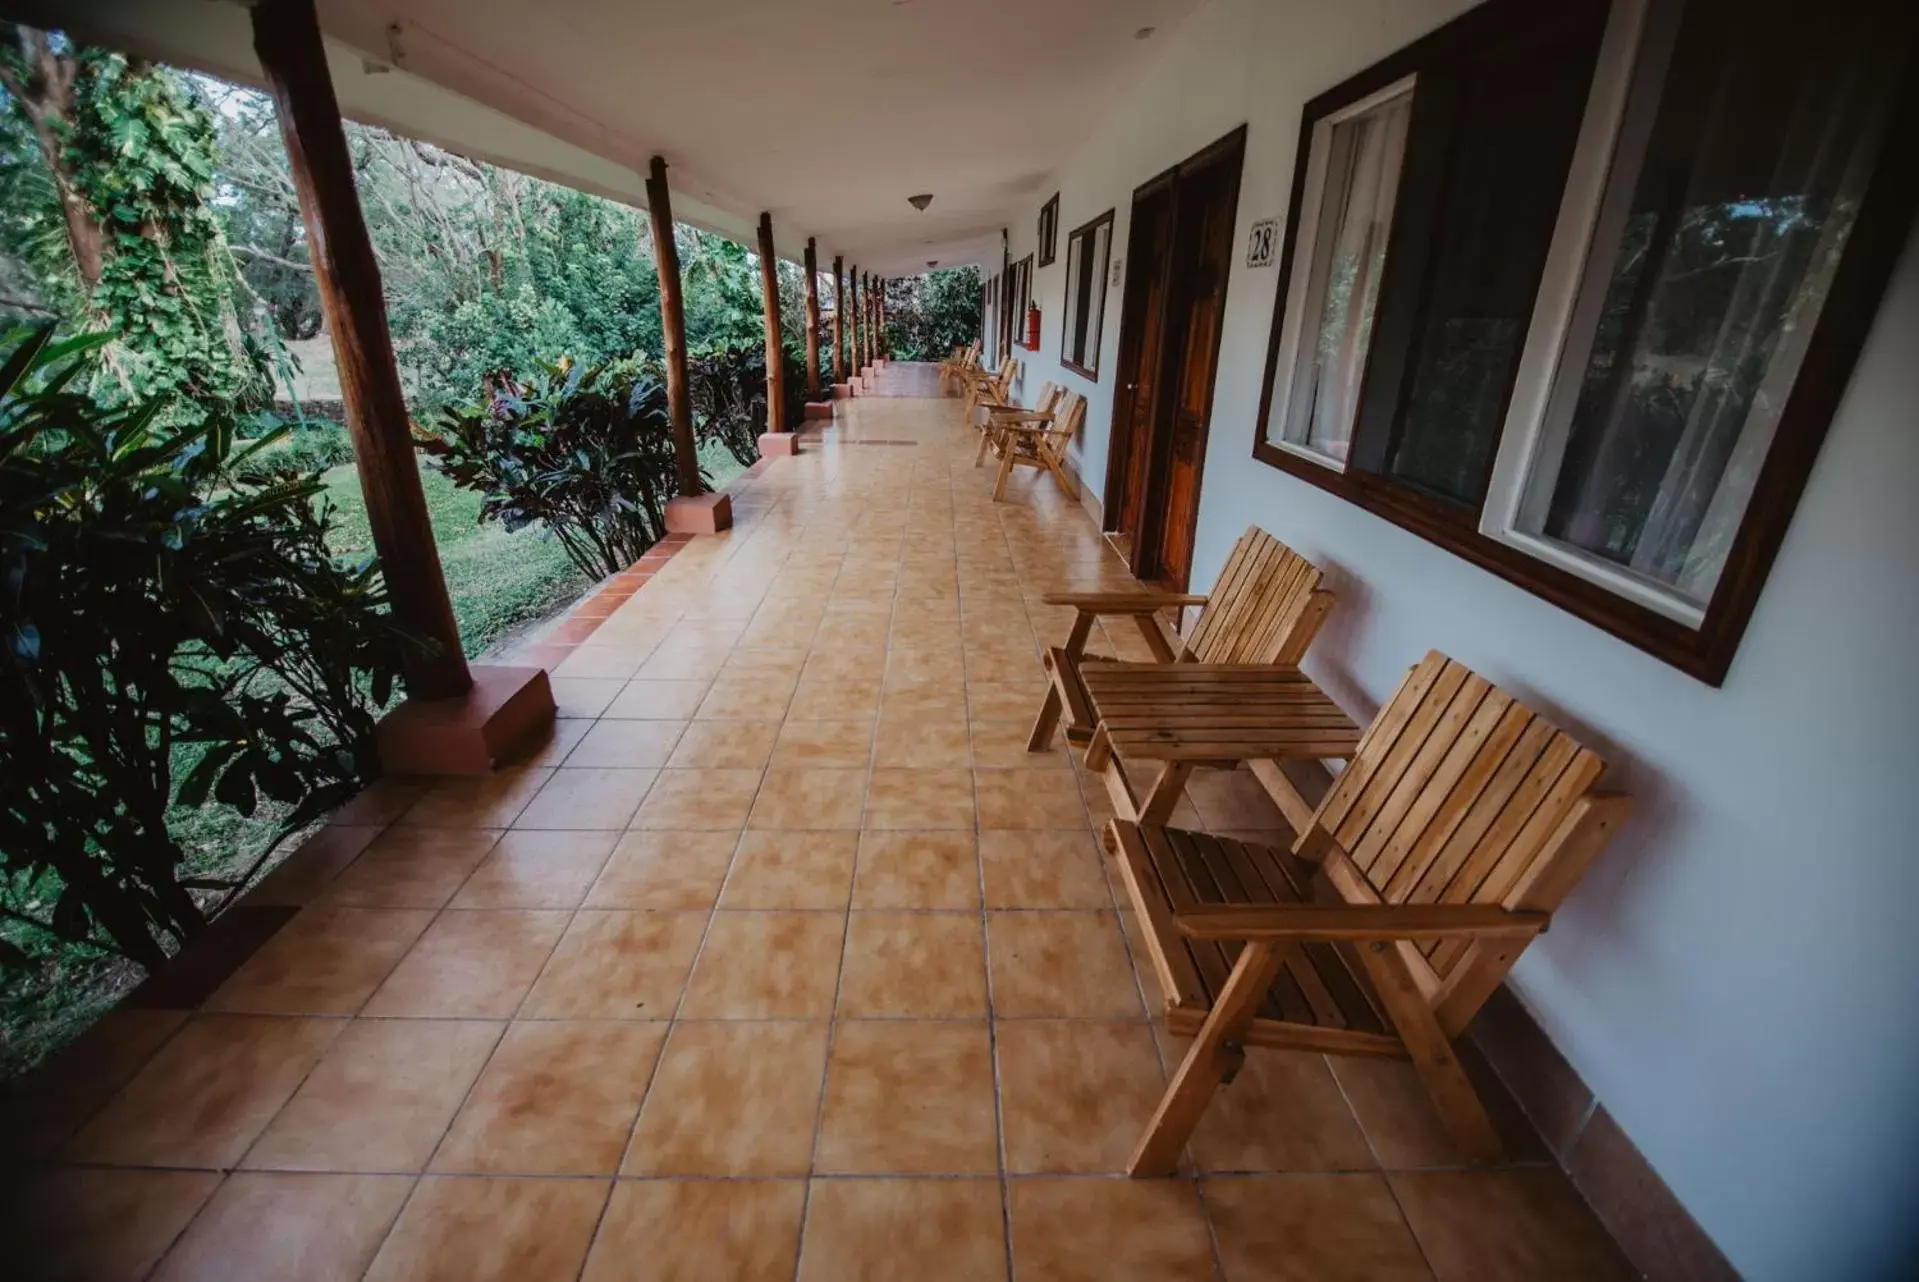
column 819, row 409
column 701, row 514
column 779, row 444
column 841, row 391
column 507, row 709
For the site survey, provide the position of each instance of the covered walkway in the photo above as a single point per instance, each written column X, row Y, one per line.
column 782, row 959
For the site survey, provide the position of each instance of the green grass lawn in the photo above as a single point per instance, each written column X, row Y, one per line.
column 497, row 579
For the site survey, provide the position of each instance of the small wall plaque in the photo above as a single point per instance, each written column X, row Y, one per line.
column 1259, row 245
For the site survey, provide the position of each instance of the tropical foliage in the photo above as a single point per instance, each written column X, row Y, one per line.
column 175, row 635
column 584, row 451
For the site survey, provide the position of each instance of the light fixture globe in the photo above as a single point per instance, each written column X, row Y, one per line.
column 920, row 201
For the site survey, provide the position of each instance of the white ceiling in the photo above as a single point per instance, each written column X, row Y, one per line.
column 828, row 113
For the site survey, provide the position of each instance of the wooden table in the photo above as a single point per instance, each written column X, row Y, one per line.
column 1186, row 715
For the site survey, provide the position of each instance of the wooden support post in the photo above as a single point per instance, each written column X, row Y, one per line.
column 839, row 319
column 666, row 255
column 775, row 348
column 812, row 321
column 455, row 720
column 286, row 35
column 872, row 331
column 853, row 316
column 694, row 511
column 879, row 326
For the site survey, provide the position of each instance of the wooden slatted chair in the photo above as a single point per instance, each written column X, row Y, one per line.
column 1266, row 607
column 990, row 385
column 998, row 415
column 1461, row 824
column 1038, row 444
column 962, row 360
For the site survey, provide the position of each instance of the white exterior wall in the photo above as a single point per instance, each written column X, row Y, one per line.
column 1738, row 978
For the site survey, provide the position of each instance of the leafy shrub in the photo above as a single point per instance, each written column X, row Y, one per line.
column 928, row 316
column 172, row 633
column 314, row 446
column 727, row 384
column 584, row 450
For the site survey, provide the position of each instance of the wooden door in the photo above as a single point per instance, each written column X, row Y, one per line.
column 1202, row 261
column 1182, row 242
column 1141, row 333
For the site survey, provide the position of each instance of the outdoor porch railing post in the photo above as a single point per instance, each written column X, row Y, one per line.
column 812, row 321
column 775, row 349
column 666, row 253
column 286, row 36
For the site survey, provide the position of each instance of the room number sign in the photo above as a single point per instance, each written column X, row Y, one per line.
column 1259, row 245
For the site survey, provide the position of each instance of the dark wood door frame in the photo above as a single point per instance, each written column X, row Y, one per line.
column 1175, row 294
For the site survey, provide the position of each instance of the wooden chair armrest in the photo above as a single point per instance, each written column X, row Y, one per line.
column 1334, row 923
column 1146, row 602
column 1235, row 743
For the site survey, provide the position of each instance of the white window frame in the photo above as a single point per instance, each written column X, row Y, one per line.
column 1634, row 54
column 1300, row 286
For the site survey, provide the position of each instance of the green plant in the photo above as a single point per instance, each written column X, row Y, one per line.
column 312, row 446
column 174, row 635
column 584, row 450
column 928, row 316
column 727, row 385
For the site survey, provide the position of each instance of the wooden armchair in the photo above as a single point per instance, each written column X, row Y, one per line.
column 1266, row 608
column 963, row 359
column 1461, row 824
column 1038, row 441
column 989, row 386
column 998, row 415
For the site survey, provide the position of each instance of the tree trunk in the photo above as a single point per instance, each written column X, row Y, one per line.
column 46, row 96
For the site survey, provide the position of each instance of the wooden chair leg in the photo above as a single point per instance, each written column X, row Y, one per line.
column 1060, row 478
column 1047, row 721
column 1165, row 792
column 985, row 440
column 1005, row 471
column 1433, row 1056
column 1215, row 1056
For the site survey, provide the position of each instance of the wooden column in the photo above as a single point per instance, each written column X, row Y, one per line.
column 775, row 349
column 812, row 321
column 866, row 319
column 839, row 319
column 286, row 36
column 879, row 327
column 666, row 254
column 853, row 315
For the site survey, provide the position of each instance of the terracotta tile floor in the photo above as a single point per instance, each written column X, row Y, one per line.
column 783, row 960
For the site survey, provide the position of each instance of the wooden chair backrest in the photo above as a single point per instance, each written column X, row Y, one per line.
column 1265, row 608
column 1460, row 794
column 1004, row 380
column 1069, row 411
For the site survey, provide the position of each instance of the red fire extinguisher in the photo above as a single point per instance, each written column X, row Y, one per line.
column 1032, row 327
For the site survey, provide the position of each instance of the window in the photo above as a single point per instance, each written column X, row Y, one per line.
column 1019, row 293
column 1715, row 237
column 1572, row 291
column 1087, row 251
column 1049, row 231
column 1355, row 160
